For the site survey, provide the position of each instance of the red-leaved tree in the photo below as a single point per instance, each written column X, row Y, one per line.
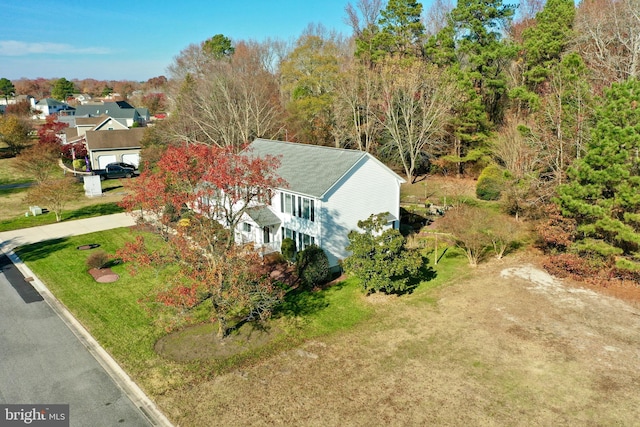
column 211, row 182
column 49, row 132
column 194, row 198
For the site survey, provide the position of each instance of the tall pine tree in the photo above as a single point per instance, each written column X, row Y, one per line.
column 479, row 33
column 547, row 40
column 603, row 193
column 400, row 32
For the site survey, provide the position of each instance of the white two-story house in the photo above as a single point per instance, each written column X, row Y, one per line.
column 328, row 191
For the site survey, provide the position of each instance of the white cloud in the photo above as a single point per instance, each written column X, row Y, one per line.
column 18, row 48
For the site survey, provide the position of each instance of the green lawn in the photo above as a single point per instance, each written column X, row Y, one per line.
column 115, row 317
column 9, row 175
column 50, row 218
column 110, row 311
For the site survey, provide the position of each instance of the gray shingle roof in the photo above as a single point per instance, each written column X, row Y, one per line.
column 120, row 110
column 50, row 102
column 263, row 216
column 84, row 121
column 308, row 169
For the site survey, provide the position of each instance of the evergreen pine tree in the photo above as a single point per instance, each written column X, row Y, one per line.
column 603, row 193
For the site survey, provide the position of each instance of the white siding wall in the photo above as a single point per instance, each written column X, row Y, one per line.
column 300, row 225
column 368, row 189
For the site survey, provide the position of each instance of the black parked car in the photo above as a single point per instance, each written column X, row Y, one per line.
column 117, row 170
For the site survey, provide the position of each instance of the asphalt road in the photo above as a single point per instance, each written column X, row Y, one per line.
column 46, row 355
column 43, row 362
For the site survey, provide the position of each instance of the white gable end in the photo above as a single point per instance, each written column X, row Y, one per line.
column 367, row 189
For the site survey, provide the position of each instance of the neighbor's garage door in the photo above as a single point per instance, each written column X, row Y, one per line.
column 103, row 161
column 132, row 159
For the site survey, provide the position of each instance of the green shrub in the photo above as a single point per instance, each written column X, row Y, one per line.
column 98, row 259
column 288, row 249
column 312, row 267
column 490, row 183
column 79, row 164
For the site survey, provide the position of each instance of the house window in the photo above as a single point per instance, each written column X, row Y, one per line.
column 308, row 209
column 303, row 208
column 305, row 240
column 287, row 203
column 246, row 227
column 302, row 240
column 288, row 233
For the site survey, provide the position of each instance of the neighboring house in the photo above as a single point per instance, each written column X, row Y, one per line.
column 103, row 122
column 81, row 98
column 329, row 190
column 78, row 126
column 49, row 106
column 16, row 99
column 117, row 145
column 121, row 111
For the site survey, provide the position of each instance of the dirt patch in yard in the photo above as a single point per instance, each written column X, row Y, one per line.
column 510, row 345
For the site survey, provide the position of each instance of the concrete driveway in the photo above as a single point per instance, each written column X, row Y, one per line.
column 47, row 357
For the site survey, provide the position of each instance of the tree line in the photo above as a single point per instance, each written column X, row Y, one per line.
column 61, row 88
column 521, row 93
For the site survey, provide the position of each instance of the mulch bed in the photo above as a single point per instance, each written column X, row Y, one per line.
column 103, row 275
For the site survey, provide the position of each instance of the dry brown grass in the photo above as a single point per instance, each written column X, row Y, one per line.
column 7, row 172
column 496, row 349
column 438, row 190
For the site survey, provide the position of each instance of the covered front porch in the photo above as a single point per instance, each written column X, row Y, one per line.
column 260, row 226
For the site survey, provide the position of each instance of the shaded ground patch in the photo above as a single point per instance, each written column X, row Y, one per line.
column 200, row 342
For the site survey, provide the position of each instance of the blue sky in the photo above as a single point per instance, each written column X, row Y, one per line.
column 137, row 40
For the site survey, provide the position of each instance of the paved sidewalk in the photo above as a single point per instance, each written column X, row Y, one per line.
column 10, row 240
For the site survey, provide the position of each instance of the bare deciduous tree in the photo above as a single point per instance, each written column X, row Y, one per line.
column 437, row 16
column 38, row 161
column 468, row 225
column 363, row 15
column 516, row 150
column 225, row 101
column 55, row 194
column 415, row 106
column 609, row 38
column 356, row 124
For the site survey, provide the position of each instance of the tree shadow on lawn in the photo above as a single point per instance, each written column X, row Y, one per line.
column 425, row 274
column 300, row 302
column 40, row 250
column 201, row 342
column 93, row 210
column 112, row 188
